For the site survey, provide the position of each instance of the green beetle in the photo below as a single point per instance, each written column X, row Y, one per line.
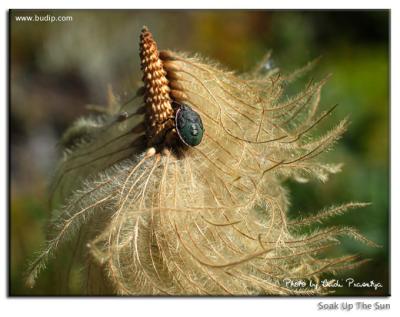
column 188, row 125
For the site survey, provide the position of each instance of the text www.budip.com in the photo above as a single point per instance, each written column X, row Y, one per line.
column 44, row 18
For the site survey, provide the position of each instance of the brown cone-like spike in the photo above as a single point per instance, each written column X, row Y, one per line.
column 168, row 220
column 159, row 111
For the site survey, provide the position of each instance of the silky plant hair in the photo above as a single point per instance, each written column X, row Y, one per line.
column 146, row 214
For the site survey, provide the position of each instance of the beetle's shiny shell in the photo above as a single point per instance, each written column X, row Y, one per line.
column 189, row 125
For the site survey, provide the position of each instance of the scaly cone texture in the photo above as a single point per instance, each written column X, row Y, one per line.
column 212, row 220
column 159, row 112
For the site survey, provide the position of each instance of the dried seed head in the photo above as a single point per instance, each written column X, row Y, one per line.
column 213, row 221
column 159, row 113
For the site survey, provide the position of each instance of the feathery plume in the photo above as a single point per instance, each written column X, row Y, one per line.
column 156, row 215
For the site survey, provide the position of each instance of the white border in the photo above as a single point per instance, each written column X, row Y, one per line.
column 206, row 4
column 191, row 306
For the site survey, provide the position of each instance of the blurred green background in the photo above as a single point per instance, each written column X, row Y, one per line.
column 58, row 68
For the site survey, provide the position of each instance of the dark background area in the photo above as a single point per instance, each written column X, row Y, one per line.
column 58, row 68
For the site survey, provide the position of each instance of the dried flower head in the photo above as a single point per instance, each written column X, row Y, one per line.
column 151, row 215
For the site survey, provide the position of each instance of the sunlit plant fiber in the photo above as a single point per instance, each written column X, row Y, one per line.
column 150, row 215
